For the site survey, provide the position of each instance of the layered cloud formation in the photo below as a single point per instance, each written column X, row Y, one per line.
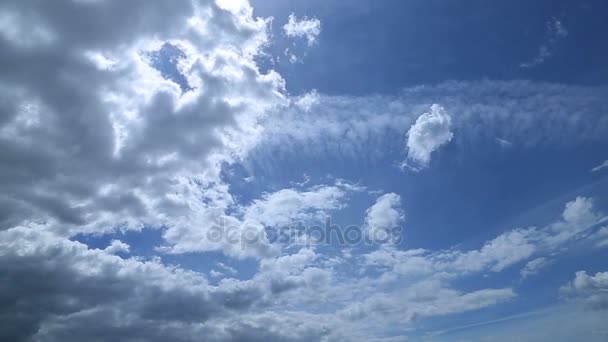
column 121, row 118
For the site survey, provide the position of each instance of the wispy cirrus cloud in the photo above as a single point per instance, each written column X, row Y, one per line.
column 600, row 166
column 555, row 31
column 347, row 127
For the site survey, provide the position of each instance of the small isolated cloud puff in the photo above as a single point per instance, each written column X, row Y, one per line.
column 117, row 246
column 430, row 131
column 309, row 28
column 385, row 214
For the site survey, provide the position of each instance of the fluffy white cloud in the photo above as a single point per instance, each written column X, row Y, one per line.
column 592, row 290
column 242, row 233
column 505, row 250
column 384, row 216
column 95, row 138
column 430, row 131
column 580, row 212
column 305, row 27
column 141, row 301
column 117, row 246
column 284, row 206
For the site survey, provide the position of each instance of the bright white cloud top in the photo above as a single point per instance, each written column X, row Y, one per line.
column 430, row 131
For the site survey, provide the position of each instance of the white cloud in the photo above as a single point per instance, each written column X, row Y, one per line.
column 94, row 139
column 98, row 140
column 580, row 212
column 415, row 284
column 496, row 255
column 79, row 282
column 427, row 298
column 308, row 100
column 216, row 274
column 385, row 215
column 226, row 268
column 602, row 237
column 554, row 33
column 591, row 290
column 533, row 267
column 117, row 246
column 347, row 127
column 286, row 205
column 242, row 232
column 600, row 167
column 305, row 27
column 430, row 131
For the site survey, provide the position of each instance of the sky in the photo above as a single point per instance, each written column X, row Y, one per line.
column 296, row 170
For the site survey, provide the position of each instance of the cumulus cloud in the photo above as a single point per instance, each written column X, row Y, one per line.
column 304, row 27
column 242, row 232
column 76, row 283
column 60, row 289
column 104, row 138
column 430, row 131
column 580, row 211
column 507, row 249
column 385, row 215
column 117, row 246
column 118, row 116
column 591, row 290
column 95, row 143
column 283, row 206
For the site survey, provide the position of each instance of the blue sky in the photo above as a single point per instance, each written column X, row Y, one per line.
column 175, row 171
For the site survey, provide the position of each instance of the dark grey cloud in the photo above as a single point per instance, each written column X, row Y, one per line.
column 55, row 289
